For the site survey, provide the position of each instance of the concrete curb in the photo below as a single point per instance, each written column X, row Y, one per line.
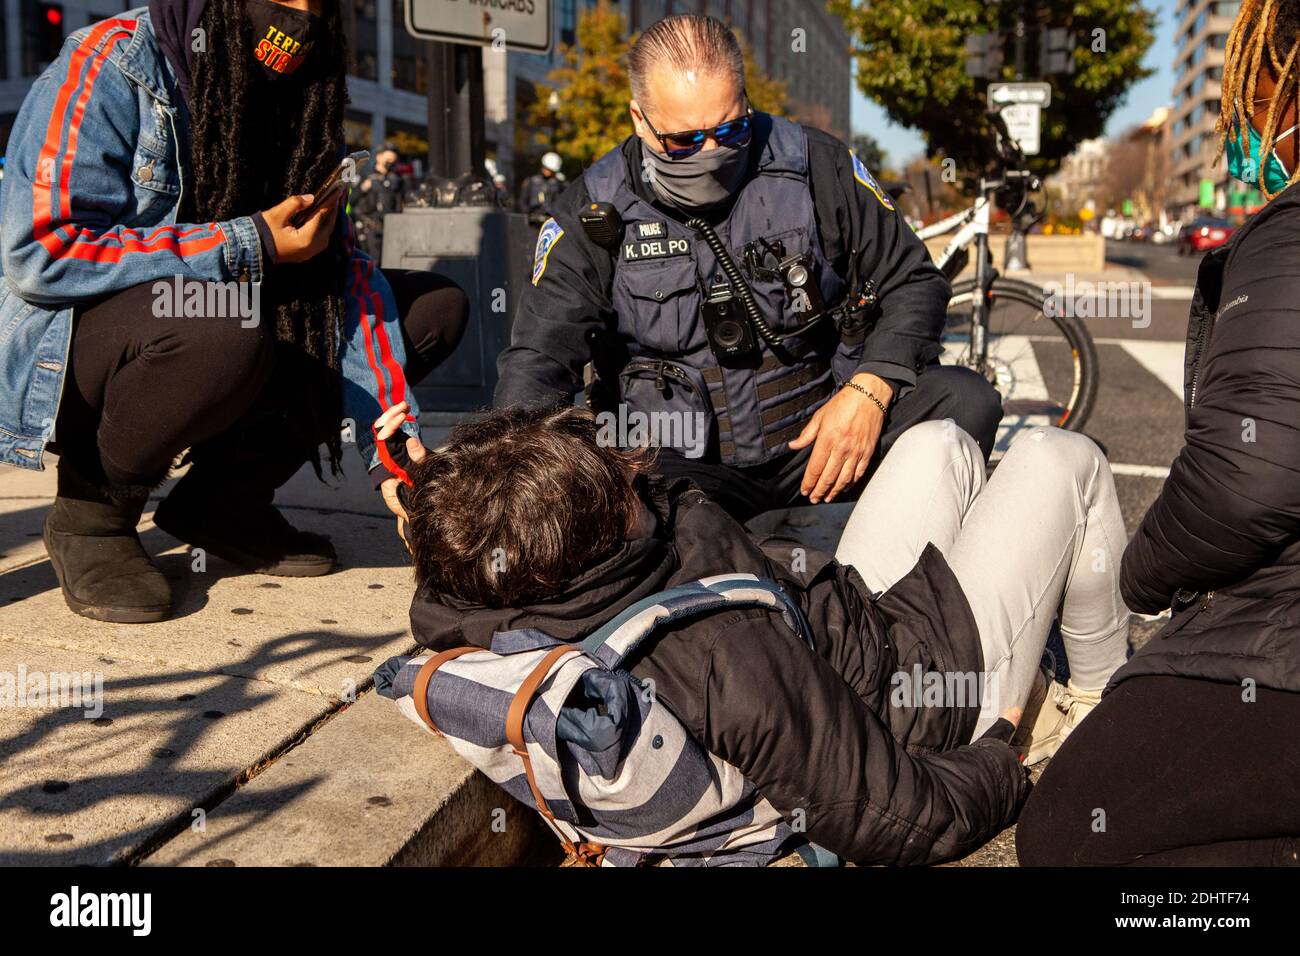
column 366, row 788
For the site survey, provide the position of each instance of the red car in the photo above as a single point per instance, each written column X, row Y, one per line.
column 1203, row 234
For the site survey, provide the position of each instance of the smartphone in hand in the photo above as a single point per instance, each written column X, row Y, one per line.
column 342, row 177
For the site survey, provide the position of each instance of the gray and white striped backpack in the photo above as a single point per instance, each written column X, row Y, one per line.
column 613, row 773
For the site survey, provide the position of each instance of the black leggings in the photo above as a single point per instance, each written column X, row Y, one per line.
column 140, row 388
column 1171, row 771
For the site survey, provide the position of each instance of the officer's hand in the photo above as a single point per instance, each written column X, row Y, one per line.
column 386, row 425
column 298, row 244
column 846, row 430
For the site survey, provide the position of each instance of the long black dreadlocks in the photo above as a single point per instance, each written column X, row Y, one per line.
column 255, row 144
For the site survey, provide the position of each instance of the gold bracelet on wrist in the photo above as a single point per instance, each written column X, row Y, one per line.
column 867, row 392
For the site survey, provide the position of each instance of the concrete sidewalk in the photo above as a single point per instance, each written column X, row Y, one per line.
column 249, row 668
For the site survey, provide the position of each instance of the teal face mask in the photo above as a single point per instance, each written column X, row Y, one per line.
column 1246, row 168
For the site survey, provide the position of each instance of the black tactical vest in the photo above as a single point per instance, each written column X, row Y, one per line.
column 662, row 270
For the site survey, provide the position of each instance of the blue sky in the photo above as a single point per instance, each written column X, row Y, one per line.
column 902, row 143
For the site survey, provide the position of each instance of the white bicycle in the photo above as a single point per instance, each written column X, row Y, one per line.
column 1042, row 361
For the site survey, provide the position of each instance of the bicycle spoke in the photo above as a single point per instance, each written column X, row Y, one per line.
column 1029, row 359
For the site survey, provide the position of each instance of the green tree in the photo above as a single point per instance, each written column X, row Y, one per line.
column 592, row 89
column 911, row 59
column 767, row 94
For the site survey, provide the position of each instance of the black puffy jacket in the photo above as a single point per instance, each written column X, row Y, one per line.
column 815, row 732
column 1221, row 544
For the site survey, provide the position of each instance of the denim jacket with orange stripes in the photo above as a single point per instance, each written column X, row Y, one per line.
column 93, row 179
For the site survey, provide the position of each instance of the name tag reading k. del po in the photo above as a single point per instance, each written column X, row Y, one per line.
column 655, row 249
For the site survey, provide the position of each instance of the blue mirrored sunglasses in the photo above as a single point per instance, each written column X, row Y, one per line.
column 733, row 133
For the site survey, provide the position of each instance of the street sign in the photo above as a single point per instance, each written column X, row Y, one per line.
column 1006, row 94
column 515, row 25
column 1022, row 121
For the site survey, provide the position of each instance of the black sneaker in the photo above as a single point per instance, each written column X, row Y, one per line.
column 246, row 530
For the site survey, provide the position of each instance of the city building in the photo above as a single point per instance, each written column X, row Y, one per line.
column 795, row 40
column 1145, row 151
column 1125, row 177
column 1081, row 175
column 1196, row 182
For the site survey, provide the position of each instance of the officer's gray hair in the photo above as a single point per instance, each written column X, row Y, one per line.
column 684, row 43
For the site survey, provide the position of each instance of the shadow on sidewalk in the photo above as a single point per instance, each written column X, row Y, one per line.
column 134, row 707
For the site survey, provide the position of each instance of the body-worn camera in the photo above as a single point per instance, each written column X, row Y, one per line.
column 801, row 285
column 728, row 330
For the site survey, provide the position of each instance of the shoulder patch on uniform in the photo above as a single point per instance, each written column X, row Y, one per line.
column 863, row 176
column 547, row 237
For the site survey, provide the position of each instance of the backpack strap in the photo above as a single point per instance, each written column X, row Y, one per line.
column 420, row 692
column 618, row 638
column 584, row 854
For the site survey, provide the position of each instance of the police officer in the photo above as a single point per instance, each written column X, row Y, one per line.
column 792, row 404
column 541, row 189
column 378, row 194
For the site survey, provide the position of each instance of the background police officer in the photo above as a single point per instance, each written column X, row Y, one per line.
column 541, row 189
column 804, row 410
column 380, row 192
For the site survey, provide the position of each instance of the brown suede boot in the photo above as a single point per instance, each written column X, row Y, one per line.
column 90, row 536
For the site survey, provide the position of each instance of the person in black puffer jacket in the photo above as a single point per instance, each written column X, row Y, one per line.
column 1191, row 758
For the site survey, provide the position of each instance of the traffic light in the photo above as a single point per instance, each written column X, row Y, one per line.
column 984, row 55
column 1055, row 51
column 49, row 31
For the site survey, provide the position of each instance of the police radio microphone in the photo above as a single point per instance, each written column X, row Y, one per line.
column 602, row 224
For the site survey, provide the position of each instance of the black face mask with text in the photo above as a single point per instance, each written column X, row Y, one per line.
column 282, row 36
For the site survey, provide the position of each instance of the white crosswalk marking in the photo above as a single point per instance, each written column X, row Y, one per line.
column 1019, row 379
column 1164, row 360
column 1139, row 471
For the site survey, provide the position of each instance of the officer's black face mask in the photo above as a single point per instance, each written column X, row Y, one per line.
column 700, row 181
column 283, row 37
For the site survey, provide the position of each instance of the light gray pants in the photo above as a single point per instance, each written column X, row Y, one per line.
column 1042, row 540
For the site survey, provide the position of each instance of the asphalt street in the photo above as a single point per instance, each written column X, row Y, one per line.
column 1138, row 417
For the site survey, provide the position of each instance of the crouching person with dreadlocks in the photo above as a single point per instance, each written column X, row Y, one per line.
column 892, row 739
column 157, row 296
column 1190, row 759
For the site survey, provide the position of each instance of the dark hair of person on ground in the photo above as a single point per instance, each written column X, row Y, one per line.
column 1265, row 32
column 252, row 147
column 516, row 505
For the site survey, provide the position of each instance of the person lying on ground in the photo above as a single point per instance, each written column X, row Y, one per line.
column 524, row 520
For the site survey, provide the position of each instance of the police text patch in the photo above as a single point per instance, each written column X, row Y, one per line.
column 863, row 176
column 651, row 230
column 547, row 237
column 655, row 249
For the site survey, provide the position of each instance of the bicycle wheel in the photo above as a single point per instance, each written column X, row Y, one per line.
column 1045, row 366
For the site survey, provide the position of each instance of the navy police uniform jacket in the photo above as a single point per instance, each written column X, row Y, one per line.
column 635, row 310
